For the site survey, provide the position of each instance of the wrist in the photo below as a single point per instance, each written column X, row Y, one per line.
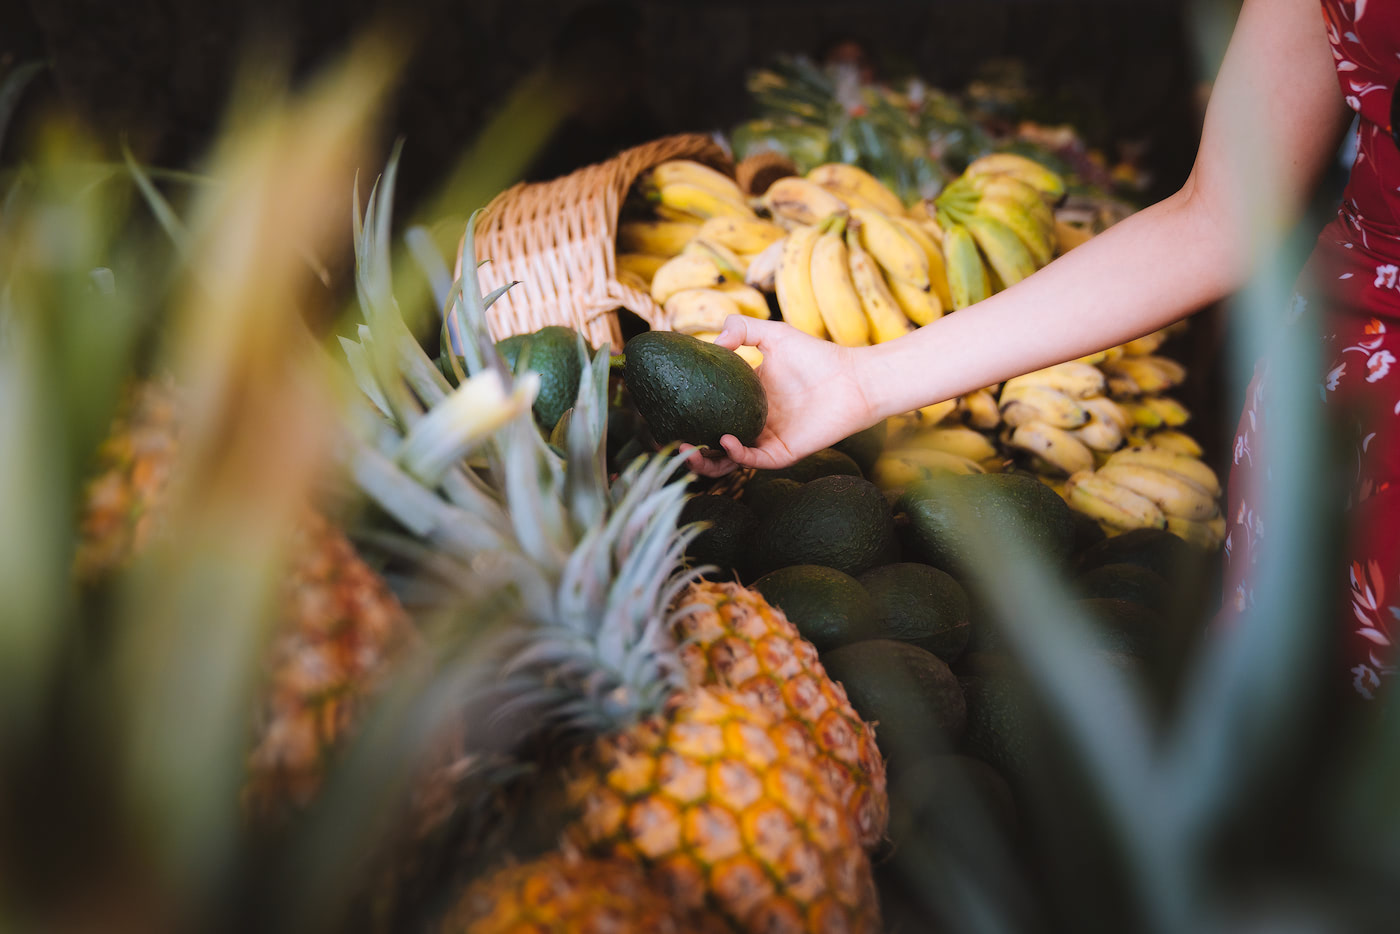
column 875, row 374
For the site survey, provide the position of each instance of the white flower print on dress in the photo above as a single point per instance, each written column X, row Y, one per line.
column 1334, row 376
column 1378, row 365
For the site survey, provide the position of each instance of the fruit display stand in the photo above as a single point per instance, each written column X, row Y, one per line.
column 556, row 241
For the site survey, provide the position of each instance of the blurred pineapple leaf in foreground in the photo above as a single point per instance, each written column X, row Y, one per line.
column 126, row 703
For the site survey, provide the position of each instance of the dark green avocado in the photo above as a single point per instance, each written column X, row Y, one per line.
column 692, row 391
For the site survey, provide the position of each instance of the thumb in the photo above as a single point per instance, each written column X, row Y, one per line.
column 740, row 330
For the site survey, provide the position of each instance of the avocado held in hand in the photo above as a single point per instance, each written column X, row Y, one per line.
column 692, row 391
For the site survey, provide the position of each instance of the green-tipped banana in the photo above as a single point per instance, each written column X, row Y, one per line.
column 689, row 172
column 1111, row 504
column 1174, row 494
column 690, row 200
column 968, row 282
column 726, row 259
column 1055, row 446
column 1006, row 254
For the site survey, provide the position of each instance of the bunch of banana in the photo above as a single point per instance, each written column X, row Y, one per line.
column 696, row 209
column 997, row 225
column 893, row 260
column 1152, row 487
column 1060, row 416
column 1130, row 377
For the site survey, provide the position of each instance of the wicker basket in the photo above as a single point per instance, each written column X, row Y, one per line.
column 557, row 239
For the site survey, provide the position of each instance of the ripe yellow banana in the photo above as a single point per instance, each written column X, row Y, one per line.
column 659, row 238
column 741, row 234
column 919, row 306
column 1099, row 434
column 980, row 409
column 968, row 282
column 1055, row 446
column 1111, row 504
column 1191, row 468
column 893, row 249
column 689, row 172
column 1147, row 344
column 938, row 460
column 856, row 187
column 1149, row 374
column 699, row 310
column 763, row 267
column 633, row 281
column 1050, row 185
column 687, row 271
column 1174, row 494
column 837, row 299
column 1143, row 416
column 1021, row 405
column 1169, row 439
column 1073, row 378
column 882, row 312
column 933, row 252
column 799, row 201
column 1208, row 534
column 936, row 412
column 1105, row 409
column 641, row 265
column 955, row 440
column 750, row 300
column 687, row 199
column 727, row 260
column 793, row 282
column 750, row 355
column 1172, row 412
column 1006, row 254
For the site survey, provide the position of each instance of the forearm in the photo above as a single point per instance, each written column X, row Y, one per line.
column 1145, row 272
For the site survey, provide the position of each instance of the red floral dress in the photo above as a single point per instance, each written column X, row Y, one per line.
column 1351, row 285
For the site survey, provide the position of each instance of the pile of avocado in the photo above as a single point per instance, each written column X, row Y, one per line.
column 887, row 589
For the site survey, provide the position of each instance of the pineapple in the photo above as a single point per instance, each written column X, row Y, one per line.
column 339, row 623
column 729, row 804
column 726, row 803
column 563, row 891
column 733, row 637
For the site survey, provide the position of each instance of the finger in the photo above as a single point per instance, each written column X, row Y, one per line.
column 697, row 463
column 759, row 457
column 740, row 330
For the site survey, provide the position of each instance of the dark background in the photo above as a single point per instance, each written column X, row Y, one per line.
column 160, row 70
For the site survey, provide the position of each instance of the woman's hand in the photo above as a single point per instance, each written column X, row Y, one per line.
column 814, row 397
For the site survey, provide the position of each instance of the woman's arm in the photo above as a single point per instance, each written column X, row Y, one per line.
column 1273, row 122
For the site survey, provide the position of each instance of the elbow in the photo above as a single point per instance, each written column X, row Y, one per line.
column 1224, row 237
